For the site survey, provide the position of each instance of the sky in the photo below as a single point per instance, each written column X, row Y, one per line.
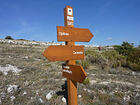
column 110, row 21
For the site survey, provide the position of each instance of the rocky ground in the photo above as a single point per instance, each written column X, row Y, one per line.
column 28, row 78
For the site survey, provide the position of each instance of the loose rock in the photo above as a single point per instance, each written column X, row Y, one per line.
column 79, row 96
column 49, row 95
column 12, row 88
column 41, row 100
column 64, row 100
column 12, row 98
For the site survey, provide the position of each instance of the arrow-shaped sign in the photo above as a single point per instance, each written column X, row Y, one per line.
column 74, row 72
column 64, row 53
column 73, row 34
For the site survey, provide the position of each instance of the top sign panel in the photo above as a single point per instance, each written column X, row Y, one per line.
column 73, row 34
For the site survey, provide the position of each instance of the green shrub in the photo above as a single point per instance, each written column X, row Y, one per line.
column 114, row 58
column 91, row 52
column 119, row 94
column 123, row 56
column 125, row 49
column 134, row 56
column 134, row 66
column 106, row 58
column 86, row 81
column 9, row 37
column 95, row 57
column 131, row 54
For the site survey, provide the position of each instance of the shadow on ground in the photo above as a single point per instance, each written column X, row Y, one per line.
column 64, row 92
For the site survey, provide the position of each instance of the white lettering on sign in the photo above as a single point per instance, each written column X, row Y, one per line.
column 70, row 23
column 75, row 52
column 66, row 67
column 69, row 11
column 70, row 18
column 67, row 71
column 63, row 34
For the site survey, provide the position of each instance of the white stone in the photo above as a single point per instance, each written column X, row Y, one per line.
column 24, row 93
column 2, row 94
column 89, row 91
column 104, row 83
column 12, row 98
column 8, row 68
column 49, row 95
column 85, row 89
column 26, row 83
column 37, row 92
column 126, row 98
column 64, row 100
column 92, row 82
column 64, row 79
column 26, row 57
column 79, row 96
column 12, row 88
column 41, row 100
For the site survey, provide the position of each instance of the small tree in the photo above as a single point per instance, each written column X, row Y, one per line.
column 125, row 49
column 9, row 37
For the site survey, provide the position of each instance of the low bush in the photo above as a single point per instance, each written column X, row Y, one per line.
column 132, row 55
column 86, row 81
column 125, row 49
column 95, row 57
column 123, row 56
column 9, row 37
column 114, row 58
column 106, row 58
column 133, row 66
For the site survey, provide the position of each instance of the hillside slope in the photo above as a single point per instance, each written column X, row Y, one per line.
column 28, row 78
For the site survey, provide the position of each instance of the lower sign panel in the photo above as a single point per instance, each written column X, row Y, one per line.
column 74, row 72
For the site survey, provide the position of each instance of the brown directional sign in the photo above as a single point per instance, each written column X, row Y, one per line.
column 74, row 72
column 64, row 53
column 73, row 34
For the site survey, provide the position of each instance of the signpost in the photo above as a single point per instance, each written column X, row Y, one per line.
column 69, row 53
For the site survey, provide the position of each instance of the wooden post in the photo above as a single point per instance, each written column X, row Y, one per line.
column 71, row 85
column 70, row 53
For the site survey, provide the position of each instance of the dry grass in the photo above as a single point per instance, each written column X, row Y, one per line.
column 38, row 77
